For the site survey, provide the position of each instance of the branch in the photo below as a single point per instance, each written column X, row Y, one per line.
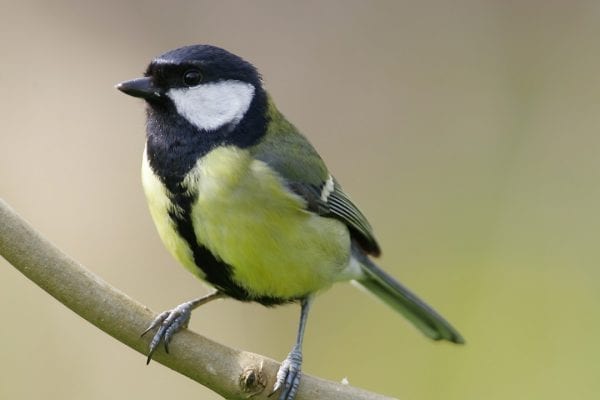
column 231, row 373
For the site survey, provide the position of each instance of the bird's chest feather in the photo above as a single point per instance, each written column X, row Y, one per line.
column 161, row 208
column 246, row 217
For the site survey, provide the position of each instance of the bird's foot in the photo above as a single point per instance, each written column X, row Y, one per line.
column 288, row 376
column 168, row 323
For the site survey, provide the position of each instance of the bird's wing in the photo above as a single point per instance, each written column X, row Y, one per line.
column 329, row 200
column 306, row 174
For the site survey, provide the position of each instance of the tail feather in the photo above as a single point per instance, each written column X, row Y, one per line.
column 394, row 294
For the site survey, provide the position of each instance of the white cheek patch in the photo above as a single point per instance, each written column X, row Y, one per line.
column 213, row 105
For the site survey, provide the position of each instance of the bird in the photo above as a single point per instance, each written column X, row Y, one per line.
column 244, row 202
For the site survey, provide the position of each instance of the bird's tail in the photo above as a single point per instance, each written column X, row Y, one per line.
column 391, row 292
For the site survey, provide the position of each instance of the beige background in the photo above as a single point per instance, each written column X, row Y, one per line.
column 467, row 132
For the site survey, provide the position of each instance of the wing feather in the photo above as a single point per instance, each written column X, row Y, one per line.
column 305, row 173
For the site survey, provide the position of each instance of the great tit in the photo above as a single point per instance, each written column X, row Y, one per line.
column 244, row 201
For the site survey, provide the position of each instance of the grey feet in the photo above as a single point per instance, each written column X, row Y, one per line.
column 288, row 376
column 168, row 323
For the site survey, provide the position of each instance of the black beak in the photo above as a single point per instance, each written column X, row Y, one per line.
column 140, row 87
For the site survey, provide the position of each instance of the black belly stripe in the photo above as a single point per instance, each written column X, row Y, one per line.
column 217, row 272
column 173, row 148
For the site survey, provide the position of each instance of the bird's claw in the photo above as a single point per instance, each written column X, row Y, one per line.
column 288, row 376
column 168, row 323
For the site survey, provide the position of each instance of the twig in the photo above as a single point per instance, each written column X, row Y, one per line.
column 231, row 373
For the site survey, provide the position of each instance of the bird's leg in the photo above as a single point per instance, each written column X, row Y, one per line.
column 288, row 376
column 171, row 321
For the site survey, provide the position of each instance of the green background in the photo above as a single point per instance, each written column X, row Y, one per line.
column 466, row 131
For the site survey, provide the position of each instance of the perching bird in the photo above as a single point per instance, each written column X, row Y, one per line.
column 243, row 200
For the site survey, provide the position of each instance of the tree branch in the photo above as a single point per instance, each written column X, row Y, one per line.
column 231, row 373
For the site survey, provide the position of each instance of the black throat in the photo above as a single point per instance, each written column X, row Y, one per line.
column 174, row 145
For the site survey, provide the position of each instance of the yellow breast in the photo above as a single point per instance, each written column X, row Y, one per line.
column 246, row 217
column 159, row 205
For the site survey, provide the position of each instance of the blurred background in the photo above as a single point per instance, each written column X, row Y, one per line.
column 466, row 131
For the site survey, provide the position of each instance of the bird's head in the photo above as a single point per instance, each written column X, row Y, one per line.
column 209, row 87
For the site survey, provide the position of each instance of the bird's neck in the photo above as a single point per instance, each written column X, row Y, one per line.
column 174, row 145
column 276, row 121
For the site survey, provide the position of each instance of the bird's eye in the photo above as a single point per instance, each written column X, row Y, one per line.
column 192, row 77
